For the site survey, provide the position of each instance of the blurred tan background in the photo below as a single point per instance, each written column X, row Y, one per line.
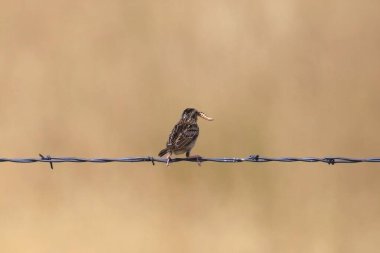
column 111, row 78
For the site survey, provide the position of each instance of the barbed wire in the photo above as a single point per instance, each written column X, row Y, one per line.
column 198, row 159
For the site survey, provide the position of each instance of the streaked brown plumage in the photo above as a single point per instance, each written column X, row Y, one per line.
column 184, row 134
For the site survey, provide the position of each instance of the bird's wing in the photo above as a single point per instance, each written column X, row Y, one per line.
column 182, row 135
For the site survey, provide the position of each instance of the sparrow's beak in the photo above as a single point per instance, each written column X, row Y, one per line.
column 201, row 114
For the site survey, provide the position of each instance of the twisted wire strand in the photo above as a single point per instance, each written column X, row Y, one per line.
column 252, row 158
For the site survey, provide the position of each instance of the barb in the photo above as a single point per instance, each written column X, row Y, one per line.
column 47, row 158
column 251, row 158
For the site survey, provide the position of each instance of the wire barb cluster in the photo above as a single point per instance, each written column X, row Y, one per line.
column 251, row 158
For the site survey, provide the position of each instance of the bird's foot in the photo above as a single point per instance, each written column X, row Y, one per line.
column 168, row 159
column 198, row 158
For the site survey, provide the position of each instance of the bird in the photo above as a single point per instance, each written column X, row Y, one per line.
column 184, row 134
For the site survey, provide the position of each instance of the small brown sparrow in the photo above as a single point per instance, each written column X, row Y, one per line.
column 184, row 134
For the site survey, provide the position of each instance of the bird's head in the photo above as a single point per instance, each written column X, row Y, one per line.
column 191, row 115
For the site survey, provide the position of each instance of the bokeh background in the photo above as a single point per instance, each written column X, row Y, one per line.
column 111, row 78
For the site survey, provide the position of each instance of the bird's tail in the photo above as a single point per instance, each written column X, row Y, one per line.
column 163, row 152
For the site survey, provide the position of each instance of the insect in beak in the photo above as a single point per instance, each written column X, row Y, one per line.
column 202, row 115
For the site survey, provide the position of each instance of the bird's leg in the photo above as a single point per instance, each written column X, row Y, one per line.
column 168, row 159
column 198, row 157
